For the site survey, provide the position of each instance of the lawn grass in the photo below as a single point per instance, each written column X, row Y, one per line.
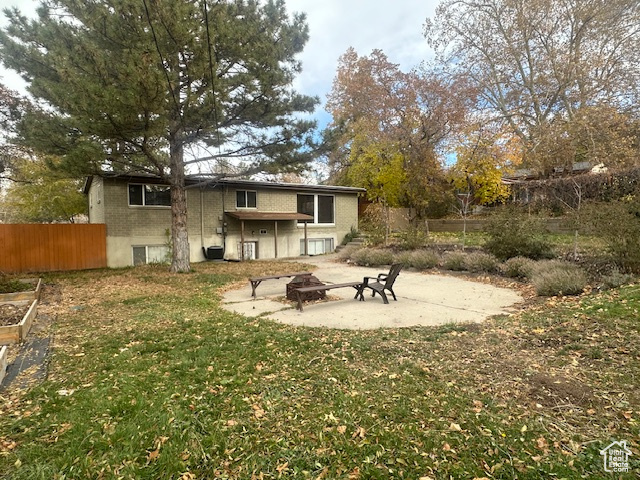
column 150, row 378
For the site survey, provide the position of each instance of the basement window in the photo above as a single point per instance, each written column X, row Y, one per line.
column 144, row 254
column 317, row 246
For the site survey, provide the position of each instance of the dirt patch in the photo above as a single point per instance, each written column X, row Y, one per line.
column 12, row 314
column 554, row 391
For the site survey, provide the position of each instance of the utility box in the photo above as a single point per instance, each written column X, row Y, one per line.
column 215, row 253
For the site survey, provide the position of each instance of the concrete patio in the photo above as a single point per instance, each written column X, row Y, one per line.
column 423, row 299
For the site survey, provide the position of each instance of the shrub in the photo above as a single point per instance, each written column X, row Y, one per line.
column 517, row 267
column 617, row 279
column 372, row 257
column 481, row 262
column 618, row 224
column 374, row 224
column 413, row 238
column 347, row 252
column 353, row 233
column 454, row 261
column 513, row 234
column 404, row 258
column 418, row 259
column 555, row 277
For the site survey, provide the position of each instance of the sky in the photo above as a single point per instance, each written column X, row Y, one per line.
column 394, row 26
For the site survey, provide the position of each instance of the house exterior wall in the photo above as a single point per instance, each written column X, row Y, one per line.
column 208, row 226
column 290, row 233
column 96, row 202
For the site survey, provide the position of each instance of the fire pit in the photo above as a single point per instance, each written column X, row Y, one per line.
column 304, row 281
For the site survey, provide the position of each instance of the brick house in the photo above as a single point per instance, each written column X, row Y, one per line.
column 271, row 220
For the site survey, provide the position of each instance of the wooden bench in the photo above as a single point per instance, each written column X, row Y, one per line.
column 321, row 288
column 255, row 281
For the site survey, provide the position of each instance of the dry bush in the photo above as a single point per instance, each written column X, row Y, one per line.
column 481, row 262
column 517, row 267
column 556, row 277
column 370, row 257
column 455, row 261
column 418, row 259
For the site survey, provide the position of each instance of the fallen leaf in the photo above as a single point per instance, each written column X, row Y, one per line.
column 360, row 432
column 153, row 456
column 541, row 443
column 258, row 412
column 454, row 427
column 323, row 473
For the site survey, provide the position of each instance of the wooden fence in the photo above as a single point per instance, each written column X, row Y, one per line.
column 52, row 247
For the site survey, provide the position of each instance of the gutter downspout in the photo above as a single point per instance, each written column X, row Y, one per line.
column 224, row 222
column 202, row 218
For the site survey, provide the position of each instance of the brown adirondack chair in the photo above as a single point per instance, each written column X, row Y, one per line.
column 382, row 282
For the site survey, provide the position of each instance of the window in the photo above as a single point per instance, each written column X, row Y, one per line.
column 150, row 254
column 246, row 199
column 306, row 204
column 149, row 195
column 320, row 207
column 317, row 246
column 325, row 209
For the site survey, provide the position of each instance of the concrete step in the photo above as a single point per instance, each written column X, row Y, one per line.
column 356, row 242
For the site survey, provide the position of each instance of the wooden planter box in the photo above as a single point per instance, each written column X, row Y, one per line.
column 28, row 295
column 3, row 363
column 17, row 333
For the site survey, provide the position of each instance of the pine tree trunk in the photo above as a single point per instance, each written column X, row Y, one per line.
column 180, row 262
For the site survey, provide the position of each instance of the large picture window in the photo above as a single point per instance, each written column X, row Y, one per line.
column 149, row 195
column 246, row 199
column 320, row 207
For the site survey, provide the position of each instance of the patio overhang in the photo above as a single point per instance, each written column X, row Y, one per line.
column 274, row 217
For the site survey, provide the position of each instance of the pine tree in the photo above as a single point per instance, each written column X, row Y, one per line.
column 129, row 85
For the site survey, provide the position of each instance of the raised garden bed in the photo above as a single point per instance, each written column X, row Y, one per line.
column 32, row 293
column 17, row 311
column 14, row 329
column 3, row 363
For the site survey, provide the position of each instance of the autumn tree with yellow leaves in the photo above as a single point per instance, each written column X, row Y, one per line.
column 394, row 125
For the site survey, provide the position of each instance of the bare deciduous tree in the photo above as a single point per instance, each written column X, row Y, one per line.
column 539, row 63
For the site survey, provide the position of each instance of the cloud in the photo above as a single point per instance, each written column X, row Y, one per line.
column 394, row 27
